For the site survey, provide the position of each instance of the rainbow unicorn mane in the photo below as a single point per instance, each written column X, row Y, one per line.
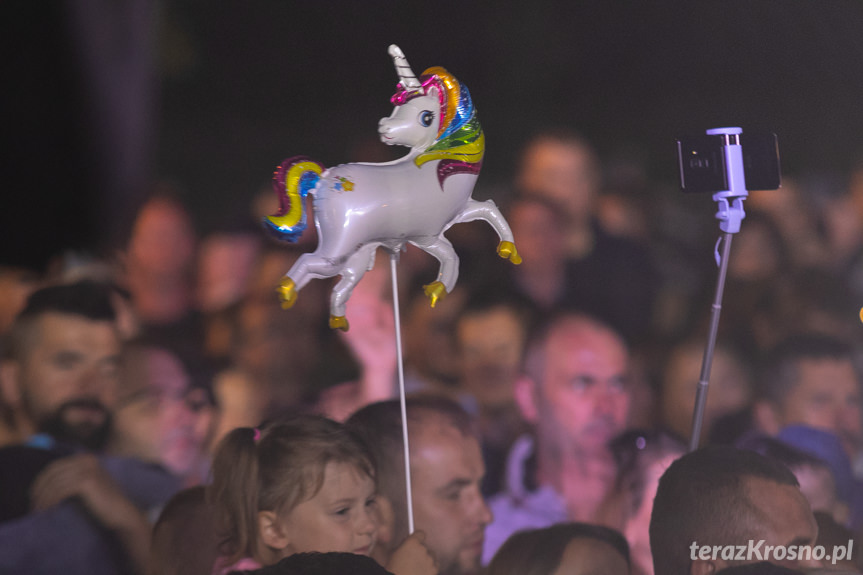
column 460, row 143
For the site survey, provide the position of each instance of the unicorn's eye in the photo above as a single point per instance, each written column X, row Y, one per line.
column 426, row 118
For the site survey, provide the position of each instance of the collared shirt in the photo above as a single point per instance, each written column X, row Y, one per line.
column 517, row 508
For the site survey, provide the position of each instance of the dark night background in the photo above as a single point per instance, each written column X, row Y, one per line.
column 102, row 99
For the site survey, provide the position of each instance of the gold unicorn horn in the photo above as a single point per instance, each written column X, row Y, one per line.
column 407, row 78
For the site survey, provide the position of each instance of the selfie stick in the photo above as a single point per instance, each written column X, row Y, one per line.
column 394, row 258
column 729, row 214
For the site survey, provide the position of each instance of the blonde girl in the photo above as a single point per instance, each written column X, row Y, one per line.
column 301, row 485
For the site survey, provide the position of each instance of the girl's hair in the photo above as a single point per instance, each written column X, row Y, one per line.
column 539, row 551
column 275, row 468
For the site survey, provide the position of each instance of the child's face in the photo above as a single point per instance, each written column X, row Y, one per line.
column 340, row 517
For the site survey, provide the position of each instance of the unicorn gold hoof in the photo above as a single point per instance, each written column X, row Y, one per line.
column 435, row 291
column 287, row 292
column 507, row 251
column 339, row 322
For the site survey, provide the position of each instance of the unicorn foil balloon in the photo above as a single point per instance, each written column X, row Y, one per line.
column 363, row 206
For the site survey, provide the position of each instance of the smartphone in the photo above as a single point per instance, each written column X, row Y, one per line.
column 703, row 169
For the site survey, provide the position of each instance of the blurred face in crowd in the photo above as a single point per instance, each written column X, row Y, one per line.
column 564, row 172
column 225, row 265
column 539, row 230
column 583, row 399
column 163, row 241
column 64, row 383
column 490, row 344
column 158, row 417
column 430, row 347
column 757, row 253
column 729, row 388
column 446, row 471
column 826, row 396
column 270, row 347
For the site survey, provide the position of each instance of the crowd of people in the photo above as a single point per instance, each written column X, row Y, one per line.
column 160, row 413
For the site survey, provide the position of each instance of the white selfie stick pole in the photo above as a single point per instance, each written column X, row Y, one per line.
column 729, row 214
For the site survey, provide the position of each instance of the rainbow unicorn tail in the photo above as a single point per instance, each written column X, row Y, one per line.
column 292, row 182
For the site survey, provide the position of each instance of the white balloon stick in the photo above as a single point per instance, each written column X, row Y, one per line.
column 401, row 371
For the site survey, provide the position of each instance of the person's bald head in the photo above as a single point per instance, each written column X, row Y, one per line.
column 722, row 496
